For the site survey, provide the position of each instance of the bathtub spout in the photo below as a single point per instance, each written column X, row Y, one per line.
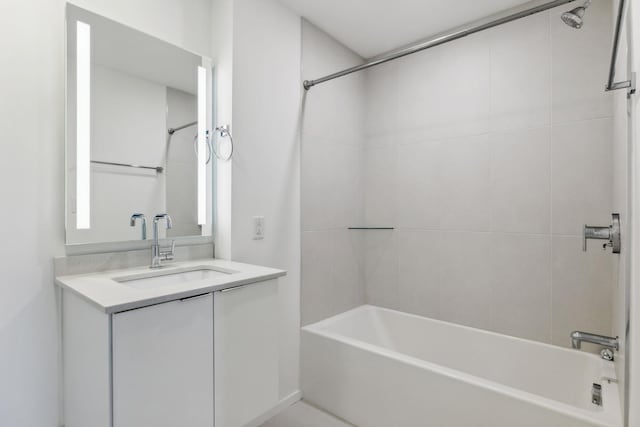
column 578, row 337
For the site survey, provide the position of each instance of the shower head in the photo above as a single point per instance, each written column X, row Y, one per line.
column 574, row 17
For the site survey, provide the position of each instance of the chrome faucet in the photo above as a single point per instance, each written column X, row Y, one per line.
column 159, row 254
column 142, row 218
column 578, row 337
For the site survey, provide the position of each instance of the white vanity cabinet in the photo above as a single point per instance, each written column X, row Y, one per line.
column 246, row 353
column 152, row 366
column 205, row 360
column 163, row 364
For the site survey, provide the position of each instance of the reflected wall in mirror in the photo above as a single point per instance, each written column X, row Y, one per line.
column 138, row 115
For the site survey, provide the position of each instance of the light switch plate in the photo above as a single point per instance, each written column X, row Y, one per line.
column 258, row 227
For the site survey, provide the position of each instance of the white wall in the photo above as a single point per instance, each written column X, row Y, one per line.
column 32, row 188
column 489, row 154
column 265, row 180
column 222, row 57
column 332, row 197
column 32, row 172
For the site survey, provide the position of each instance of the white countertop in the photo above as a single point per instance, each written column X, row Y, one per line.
column 111, row 296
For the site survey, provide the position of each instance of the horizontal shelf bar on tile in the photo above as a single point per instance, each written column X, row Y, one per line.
column 371, row 228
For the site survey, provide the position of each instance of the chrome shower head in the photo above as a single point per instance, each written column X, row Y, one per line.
column 574, row 17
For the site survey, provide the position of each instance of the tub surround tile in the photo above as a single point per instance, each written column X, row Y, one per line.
column 419, row 272
column 443, row 92
column 582, row 178
column 335, row 110
column 316, row 289
column 381, row 268
column 331, row 195
column 521, row 77
column 316, row 188
column 380, row 171
column 382, row 111
column 465, row 184
column 582, row 289
column 521, row 181
column 419, row 200
column 465, row 278
column 521, row 285
column 332, row 278
column 346, row 169
column 346, row 270
column 482, row 178
column 332, row 173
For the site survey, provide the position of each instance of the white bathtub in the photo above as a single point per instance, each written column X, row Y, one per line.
column 375, row 367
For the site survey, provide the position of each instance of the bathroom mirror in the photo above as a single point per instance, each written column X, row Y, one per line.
column 138, row 120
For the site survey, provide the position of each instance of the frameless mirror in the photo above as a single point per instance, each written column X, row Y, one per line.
column 138, row 116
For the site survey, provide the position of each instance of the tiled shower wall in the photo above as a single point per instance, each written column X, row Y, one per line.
column 331, row 172
column 487, row 155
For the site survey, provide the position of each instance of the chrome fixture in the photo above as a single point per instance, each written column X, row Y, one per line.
column 160, row 254
column 143, row 219
column 158, row 169
column 578, row 337
column 596, row 394
column 174, row 130
column 171, row 131
column 574, row 17
column 630, row 84
column 514, row 14
column 607, row 354
column 610, row 233
column 224, row 131
column 370, row 228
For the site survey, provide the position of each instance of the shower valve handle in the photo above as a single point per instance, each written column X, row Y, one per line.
column 610, row 233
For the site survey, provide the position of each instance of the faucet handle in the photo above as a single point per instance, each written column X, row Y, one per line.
column 168, row 252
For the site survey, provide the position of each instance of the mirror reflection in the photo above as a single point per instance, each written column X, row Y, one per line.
column 138, row 114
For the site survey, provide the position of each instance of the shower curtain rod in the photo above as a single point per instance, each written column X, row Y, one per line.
column 628, row 84
column 171, row 131
column 513, row 14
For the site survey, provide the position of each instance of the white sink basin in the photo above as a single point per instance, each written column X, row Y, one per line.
column 162, row 279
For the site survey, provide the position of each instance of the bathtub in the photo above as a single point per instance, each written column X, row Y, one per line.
column 375, row 367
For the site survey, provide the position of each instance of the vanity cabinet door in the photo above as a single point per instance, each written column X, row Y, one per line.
column 163, row 365
column 246, row 352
